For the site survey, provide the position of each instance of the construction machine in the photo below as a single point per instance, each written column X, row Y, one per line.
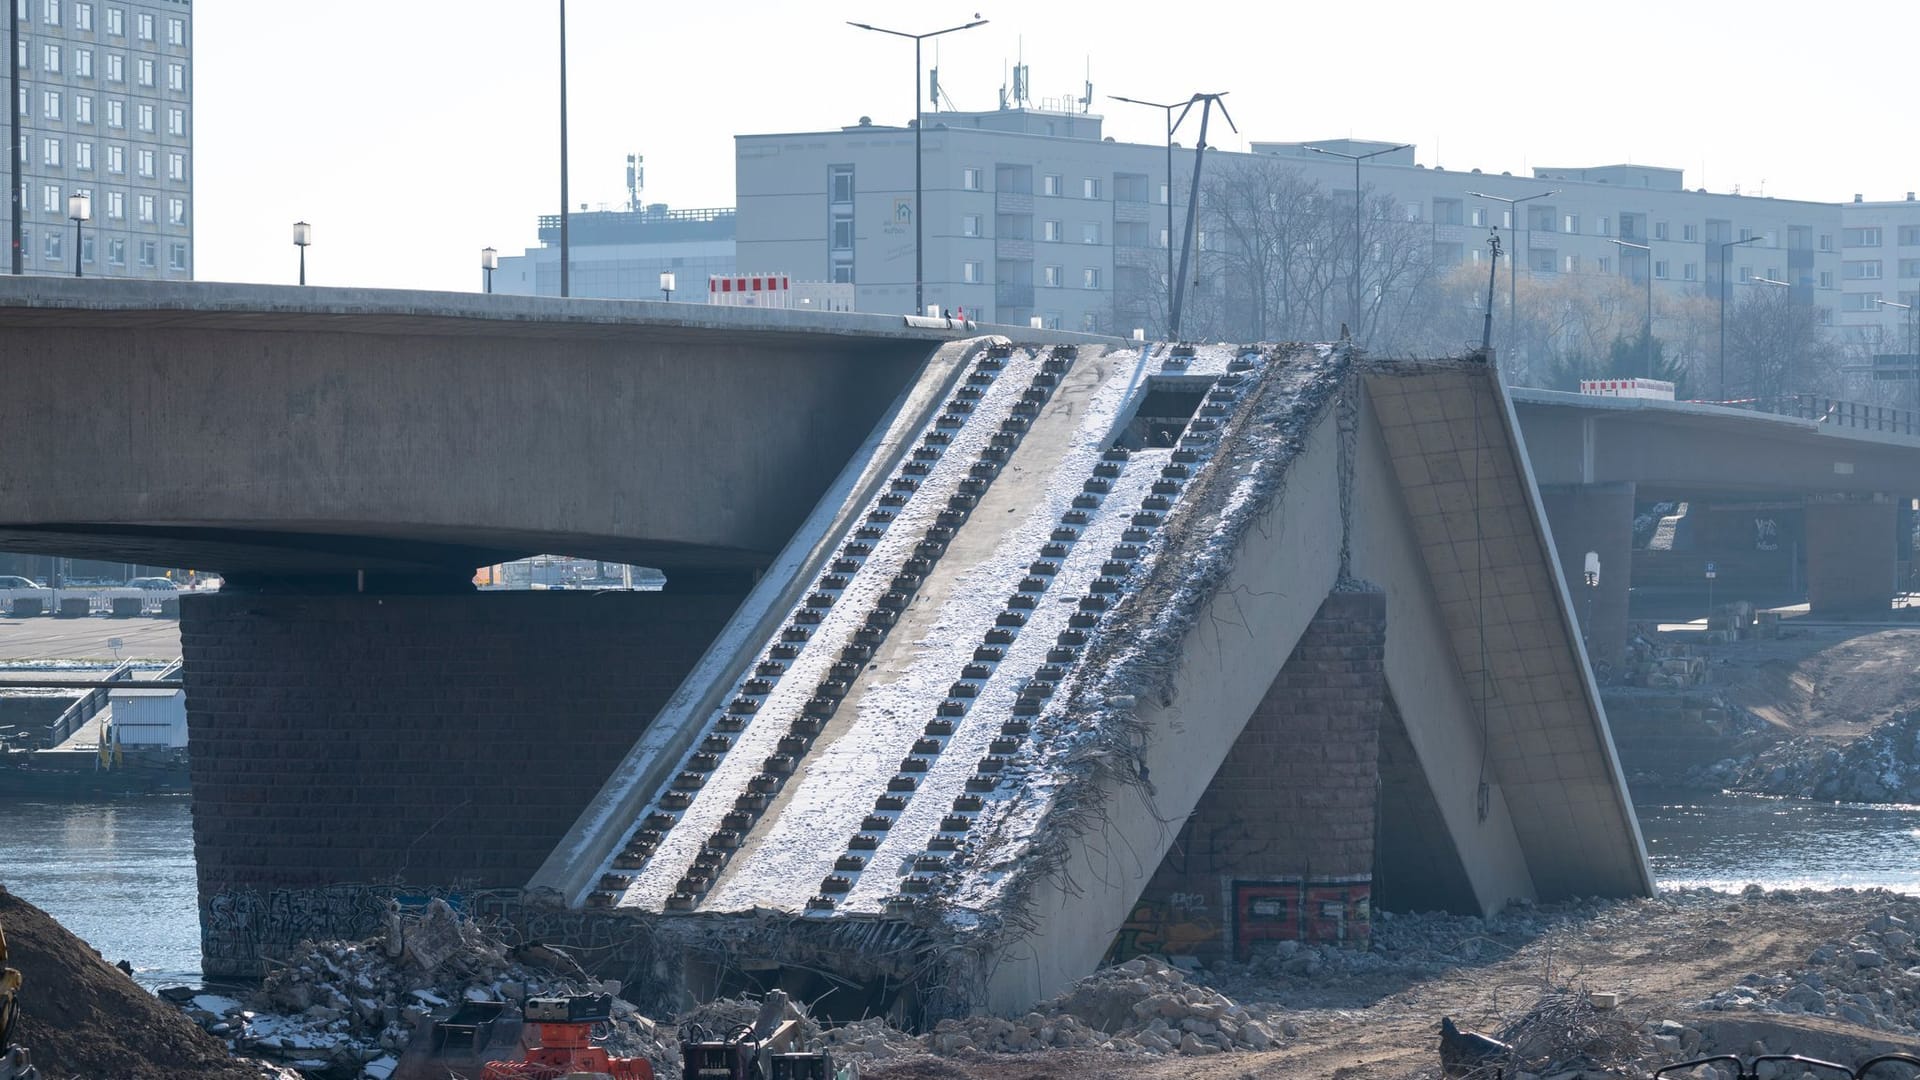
column 14, row 1063
column 564, row 1045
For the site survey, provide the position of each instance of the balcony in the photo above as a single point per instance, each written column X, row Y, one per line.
column 1134, row 211
column 1013, row 202
column 1138, row 255
column 1008, row 248
column 1013, row 294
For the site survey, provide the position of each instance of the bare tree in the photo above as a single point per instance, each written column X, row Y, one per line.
column 1776, row 347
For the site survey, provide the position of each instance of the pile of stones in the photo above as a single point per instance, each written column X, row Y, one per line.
column 1869, row 979
column 1882, row 766
column 342, row 1010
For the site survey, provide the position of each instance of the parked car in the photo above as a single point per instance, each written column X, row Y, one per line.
column 159, row 583
column 8, row 581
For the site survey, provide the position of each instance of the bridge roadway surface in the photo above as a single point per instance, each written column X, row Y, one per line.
column 293, row 431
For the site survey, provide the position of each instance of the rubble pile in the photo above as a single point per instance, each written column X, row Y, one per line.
column 1142, row 1005
column 1882, row 766
column 1663, row 665
column 1869, row 978
column 350, row 1009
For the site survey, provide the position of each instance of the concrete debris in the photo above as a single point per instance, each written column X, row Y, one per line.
column 1870, row 978
column 1882, row 766
column 342, row 1010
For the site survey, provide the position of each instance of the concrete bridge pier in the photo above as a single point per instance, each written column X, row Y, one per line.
column 416, row 738
column 1596, row 518
column 1852, row 553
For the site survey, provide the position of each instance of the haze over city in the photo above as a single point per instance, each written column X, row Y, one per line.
column 412, row 143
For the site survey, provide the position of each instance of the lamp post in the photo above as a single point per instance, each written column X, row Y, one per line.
column 1913, row 360
column 1353, row 286
column 666, row 285
column 1513, row 259
column 566, row 248
column 1647, row 340
column 919, row 234
column 1169, row 109
column 489, row 261
column 302, row 236
column 1723, row 309
column 1591, row 575
column 79, row 208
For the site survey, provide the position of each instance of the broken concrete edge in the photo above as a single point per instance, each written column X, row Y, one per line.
column 576, row 861
column 1590, row 686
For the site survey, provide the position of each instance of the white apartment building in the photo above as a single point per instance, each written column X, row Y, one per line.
column 1880, row 261
column 1033, row 213
column 620, row 254
column 105, row 109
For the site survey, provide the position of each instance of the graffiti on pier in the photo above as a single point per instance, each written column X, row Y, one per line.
column 1257, row 911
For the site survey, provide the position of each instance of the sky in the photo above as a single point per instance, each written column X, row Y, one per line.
column 414, row 133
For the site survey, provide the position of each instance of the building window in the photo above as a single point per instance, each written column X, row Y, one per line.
column 83, row 16
column 840, row 184
column 176, row 121
column 1826, row 279
column 843, row 273
column 1051, row 276
column 1600, row 226
column 50, row 58
column 144, row 115
column 1746, row 234
column 83, row 63
column 50, row 152
column 116, row 23
column 116, row 248
column 50, row 12
column 1859, row 301
column 177, row 77
column 842, row 234
column 1090, row 278
column 1050, row 231
column 116, row 68
column 1660, row 269
column 145, row 29
column 970, row 179
column 1570, row 223
column 1687, row 233
column 116, row 113
column 147, row 250
column 1746, row 274
column 1861, row 270
column 83, row 108
column 1909, row 235
column 50, row 245
column 176, row 166
column 1163, row 194
column 1090, row 187
column 176, row 31
column 143, row 163
column 177, row 256
column 86, row 249
column 116, row 205
column 50, row 104
column 176, row 211
column 1049, row 185
column 143, row 71
column 50, row 200
column 1909, row 268
column 969, row 224
column 1089, row 232
column 116, row 159
column 83, row 156
column 1606, row 265
column 1051, row 320
column 1570, row 264
column 970, row 271
column 1690, row 271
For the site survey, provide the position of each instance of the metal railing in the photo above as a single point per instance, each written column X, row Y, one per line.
column 1846, row 414
column 89, row 704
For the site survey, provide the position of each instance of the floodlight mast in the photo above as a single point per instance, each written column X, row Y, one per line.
column 1206, row 102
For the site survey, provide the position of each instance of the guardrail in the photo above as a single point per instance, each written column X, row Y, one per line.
column 1847, row 414
column 89, row 704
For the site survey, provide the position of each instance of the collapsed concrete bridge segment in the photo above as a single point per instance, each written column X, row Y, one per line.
column 1091, row 603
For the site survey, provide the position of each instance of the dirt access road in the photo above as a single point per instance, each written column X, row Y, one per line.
column 1376, row 1020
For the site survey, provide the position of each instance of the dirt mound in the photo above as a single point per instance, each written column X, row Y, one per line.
column 80, row 1016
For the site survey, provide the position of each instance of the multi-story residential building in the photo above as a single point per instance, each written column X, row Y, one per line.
column 1031, row 213
column 620, row 254
column 1880, row 261
column 105, row 109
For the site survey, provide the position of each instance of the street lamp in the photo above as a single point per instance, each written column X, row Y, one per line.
column 1169, row 245
column 1647, row 341
column 566, row 247
column 1913, row 360
column 666, row 285
column 489, row 261
column 919, row 245
column 1513, row 259
column 1354, row 285
column 79, row 208
column 1591, row 575
column 1723, row 309
column 302, row 236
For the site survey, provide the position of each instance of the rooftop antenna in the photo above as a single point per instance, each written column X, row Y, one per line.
column 1086, row 103
column 636, row 179
column 1206, row 103
column 1003, row 86
column 1493, row 263
column 1022, row 77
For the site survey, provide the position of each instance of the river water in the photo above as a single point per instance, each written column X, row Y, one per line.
column 120, row 874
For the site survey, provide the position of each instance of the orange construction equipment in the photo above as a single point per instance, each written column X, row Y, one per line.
column 565, row 1046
